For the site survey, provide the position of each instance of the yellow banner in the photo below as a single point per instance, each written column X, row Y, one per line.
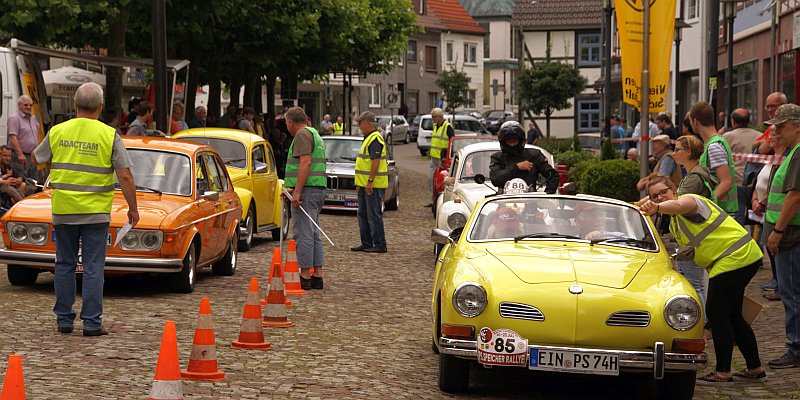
column 630, row 25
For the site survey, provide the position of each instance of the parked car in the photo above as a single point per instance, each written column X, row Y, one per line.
column 456, row 143
column 520, row 285
column 460, row 192
column 474, row 114
column 413, row 127
column 251, row 164
column 341, row 153
column 591, row 141
column 462, row 123
column 189, row 218
column 397, row 128
column 494, row 119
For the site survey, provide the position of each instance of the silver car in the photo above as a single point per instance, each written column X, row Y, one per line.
column 341, row 153
column 396, row 128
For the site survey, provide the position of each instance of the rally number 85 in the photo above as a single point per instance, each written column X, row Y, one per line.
column 506, row 345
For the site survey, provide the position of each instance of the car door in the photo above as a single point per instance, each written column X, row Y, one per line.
column 206, row 216
column 229, row 199
column 264, row 179
column 219, row 232
column 448, row 189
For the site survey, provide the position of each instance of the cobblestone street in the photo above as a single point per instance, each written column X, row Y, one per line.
column 366, row 335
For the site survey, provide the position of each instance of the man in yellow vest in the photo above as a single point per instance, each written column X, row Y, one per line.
column 305, row 178
column 84, row 154
column 442, row 132
column 716, row 242
column 783, row 225
column 372, row 179
column 338, row 127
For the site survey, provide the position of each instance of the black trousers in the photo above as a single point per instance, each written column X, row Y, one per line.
column 724, row 309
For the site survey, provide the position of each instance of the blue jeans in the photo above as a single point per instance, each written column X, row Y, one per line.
column 370, row 218
column 698, row 278
column 744, row 195
column 91, row 238
column 788, row 269
column 306, row 235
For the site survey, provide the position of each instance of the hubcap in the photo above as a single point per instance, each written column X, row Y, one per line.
column 250, row 227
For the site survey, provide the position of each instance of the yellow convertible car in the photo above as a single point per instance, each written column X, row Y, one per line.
column 572, row 284
column 251, row 164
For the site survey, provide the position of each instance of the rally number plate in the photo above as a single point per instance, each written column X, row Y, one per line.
column 573, row 361
column 502, row 347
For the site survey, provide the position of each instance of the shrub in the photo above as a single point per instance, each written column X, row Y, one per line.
column 572, row 158
column 576, row 143
column 611, row 178
column 555, row 146
column 607, row 151
column 576, row 172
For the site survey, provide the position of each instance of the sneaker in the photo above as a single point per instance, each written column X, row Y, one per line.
column 65, row 329
column 316, row 282
column 95, row 332
column 747, row 375
column 375, row 250
column 360, row 248
column 714, row 378
column 787, row 360
column 773, row 296
column 772, row 284
column 305, row 284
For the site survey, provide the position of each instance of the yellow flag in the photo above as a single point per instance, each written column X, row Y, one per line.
column 630, row 25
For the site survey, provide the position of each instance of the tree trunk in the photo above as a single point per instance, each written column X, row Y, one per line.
column 190, row 93
column 214, row 89
column 236, row 86
column 547, row 117
column 258, row 103
column 115, row 75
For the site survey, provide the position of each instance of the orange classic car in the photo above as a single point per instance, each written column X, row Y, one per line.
column 189, row 217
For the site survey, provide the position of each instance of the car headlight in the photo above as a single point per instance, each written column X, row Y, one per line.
column 469, row 299
column 456, row 220
column 682, row 312
column 24, row 233
column 141, row 240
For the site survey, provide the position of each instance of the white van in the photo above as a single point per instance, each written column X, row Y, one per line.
column 20, row 74
column 462, row 123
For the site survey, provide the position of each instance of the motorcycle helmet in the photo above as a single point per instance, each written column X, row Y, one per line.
column 512, row 132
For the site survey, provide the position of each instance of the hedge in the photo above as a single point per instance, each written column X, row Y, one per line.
column 610, row 178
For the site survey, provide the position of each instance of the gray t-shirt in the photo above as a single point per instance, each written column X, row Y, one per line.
column 120, row 159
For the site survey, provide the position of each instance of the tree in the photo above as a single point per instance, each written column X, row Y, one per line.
column 454, row 85
column 547, row 86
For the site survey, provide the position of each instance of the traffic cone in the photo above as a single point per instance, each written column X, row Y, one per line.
column 292, row 273
column 275, row 310
column 167, row 382
column 276, row 257
column 251, row 335
column 14, row 384
column 203, row 359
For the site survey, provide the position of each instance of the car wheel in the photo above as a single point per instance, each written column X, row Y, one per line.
column 285, row 216
column 407, row 139
column 453, row 373
column 434, row 347
column 250, row 223
column 183, row 281
column 394, row 203
column 423, row 152
column 677, row 385
column 19, row 275
column 389, row 139
column 226, row 266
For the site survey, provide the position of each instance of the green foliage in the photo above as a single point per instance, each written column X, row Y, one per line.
column 547, row 87
column 555, row 146
column 572, row 158
column 607, row 151
column 576, row 143
column 576, row 172
column 611, row 178
column 454, row 85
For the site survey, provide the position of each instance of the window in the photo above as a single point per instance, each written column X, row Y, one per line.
column 421, row 10
column 745, row 86
column 431, row 63
column 449, row 51
column 260, row 160
column 588, row 115
column 786, row 65
column 202, row 182
column 375, row 96
column 589, row 49
column 413, row 102
column 470, row 53
column 213, row 173
column 485, row 26
column 411, row 52
column 692, row 9
column 433, row 99
column 469, row 99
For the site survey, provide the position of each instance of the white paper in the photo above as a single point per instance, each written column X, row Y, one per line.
column 755, row 217
column 122, row 232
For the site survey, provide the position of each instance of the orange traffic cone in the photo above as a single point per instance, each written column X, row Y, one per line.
column 251, row 335
column 167, row 382
column 275, row 310
column 14, row 384
column 292, row 273
column 276, row 257
column 203, row 359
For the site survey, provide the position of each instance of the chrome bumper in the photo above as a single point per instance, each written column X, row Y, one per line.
column 121, row 264
column 657, row 361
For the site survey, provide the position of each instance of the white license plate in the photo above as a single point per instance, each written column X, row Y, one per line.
column 53, row 238
column 573, row 361
column 335, row 197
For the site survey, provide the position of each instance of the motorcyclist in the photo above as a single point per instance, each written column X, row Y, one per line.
column 515, row 161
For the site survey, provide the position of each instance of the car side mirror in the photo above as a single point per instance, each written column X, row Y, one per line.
column 211, row 195
column 261, row 169
column 570, row 188
column 479, row 179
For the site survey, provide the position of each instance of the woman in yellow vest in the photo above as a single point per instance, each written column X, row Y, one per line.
column 718, row 243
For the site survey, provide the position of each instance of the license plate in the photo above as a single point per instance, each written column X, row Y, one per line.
column 573, row 361
column 335, row 196
column 53, row 238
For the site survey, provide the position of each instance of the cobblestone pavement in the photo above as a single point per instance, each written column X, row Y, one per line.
column 366, row 335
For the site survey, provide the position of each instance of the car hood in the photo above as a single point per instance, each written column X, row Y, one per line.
column 579, row 263
column 153, row 209
column 471, row 193
column 238, row 175
column 341, row 168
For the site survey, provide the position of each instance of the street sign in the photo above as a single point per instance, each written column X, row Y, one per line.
column 393, row 100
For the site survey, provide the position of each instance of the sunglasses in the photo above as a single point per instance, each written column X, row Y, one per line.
column 661, row 193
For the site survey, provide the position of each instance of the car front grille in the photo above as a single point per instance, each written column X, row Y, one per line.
column 520, row 311
column 629, row 318
column 341, row 183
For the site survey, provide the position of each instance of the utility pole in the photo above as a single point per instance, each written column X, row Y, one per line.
column 713, row 49
column 159, row 21
column 644, row 128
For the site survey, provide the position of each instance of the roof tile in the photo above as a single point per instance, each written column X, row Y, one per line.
column 454, row 17
column 552, row 13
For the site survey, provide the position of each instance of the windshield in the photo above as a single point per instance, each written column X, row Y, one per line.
column 416, row 120
column 161, row 171
column 496, row 114
column 462, row 142
column 551, row 218
column 426, row 124
column 341, row 151
column 476, row 163
column 232, row 152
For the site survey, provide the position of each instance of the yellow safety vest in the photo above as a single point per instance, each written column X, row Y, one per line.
column 720, row 243
column 81, row 171
column 439, row 140
column 338, row 129
column 776, row 195
column 364, row 164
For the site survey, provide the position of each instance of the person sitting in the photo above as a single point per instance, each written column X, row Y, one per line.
column 11, row 181
column 505, row 224
column 591, row 223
